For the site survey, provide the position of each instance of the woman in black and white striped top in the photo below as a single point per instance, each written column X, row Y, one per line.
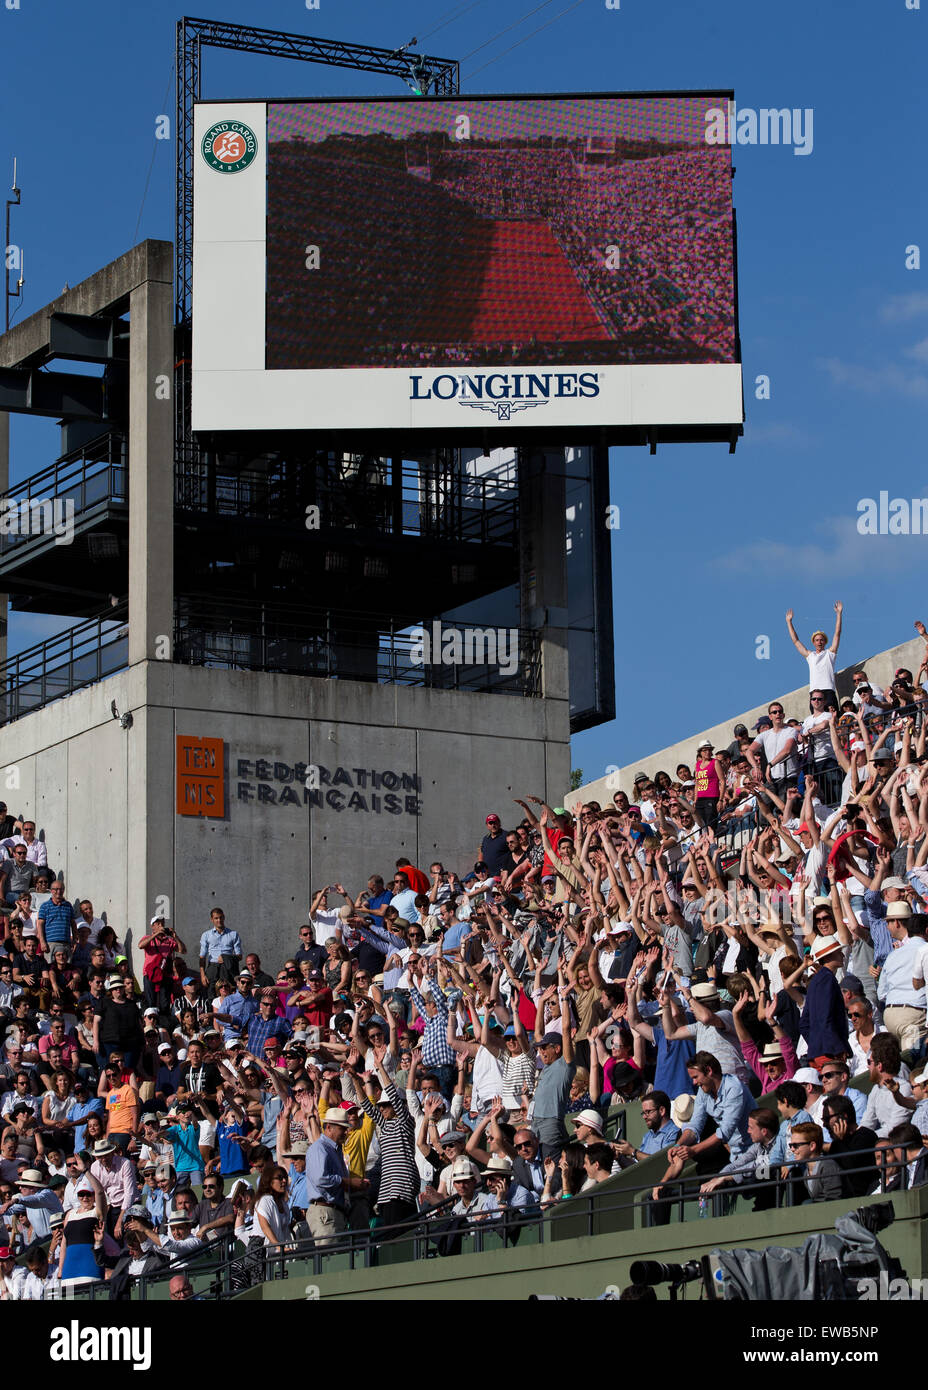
column 399, row 1174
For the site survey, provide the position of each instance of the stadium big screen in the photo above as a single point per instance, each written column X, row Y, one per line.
column 555, row 262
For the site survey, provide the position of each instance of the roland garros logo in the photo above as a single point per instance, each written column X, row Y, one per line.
column 229, row 147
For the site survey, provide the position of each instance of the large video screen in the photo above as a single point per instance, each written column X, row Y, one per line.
column 558, row 262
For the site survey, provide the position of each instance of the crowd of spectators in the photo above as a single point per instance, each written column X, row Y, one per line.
column 442, row 1052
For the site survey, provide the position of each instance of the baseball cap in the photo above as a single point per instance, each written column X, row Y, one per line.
column 763, row 723
column 493, row 819
column 894, row 882
column 807, row 1076
column 551, row 1040
column 165, row 1047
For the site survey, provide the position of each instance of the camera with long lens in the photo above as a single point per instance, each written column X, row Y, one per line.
column 655, row 1272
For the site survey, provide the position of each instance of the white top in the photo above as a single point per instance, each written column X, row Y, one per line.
column 821, row 670
column 773, row 742
column 326, row 922
column 274, row 1217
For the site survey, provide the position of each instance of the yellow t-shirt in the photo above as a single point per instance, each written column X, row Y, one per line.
column 357, row 1144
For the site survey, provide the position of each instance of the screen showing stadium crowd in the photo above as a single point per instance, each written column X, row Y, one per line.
column 434, row 254
column 732, row 951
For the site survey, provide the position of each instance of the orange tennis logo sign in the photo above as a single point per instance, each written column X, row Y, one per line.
column 229, row 146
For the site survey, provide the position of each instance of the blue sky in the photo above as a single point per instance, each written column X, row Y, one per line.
column 712, row 548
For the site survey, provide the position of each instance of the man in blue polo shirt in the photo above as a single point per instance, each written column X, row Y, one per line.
column 660, row 1130
column 239, row 1009
column 220, row 951
column 56, row 918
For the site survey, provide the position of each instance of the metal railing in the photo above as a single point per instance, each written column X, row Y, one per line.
column 95, row 475
column 78, row 657
column 383, row 496
column 422, row 1237
column 345, row 646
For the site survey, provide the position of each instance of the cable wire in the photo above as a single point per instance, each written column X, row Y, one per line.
column 467, row 76
column 154, row 154
column 459, row 15
column 528, row 14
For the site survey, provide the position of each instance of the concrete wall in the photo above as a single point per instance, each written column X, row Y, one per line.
column 105, row 796
column 880, row 668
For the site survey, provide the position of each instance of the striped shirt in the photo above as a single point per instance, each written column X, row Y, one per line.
column 518, row 1071
column 399, row 1174
column 435, row 1049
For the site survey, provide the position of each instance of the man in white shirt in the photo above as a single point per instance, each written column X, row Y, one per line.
column 36, row 851
column 779, row 745
column 821, row 659
column 96, row 924
column 883, row 1111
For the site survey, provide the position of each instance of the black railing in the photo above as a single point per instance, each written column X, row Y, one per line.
column 435, row 500
column 96, row 475
column 423, row 1237
column 346, row 646
column 75, row 658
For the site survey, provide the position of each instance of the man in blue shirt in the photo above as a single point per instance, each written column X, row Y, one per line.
column 294, row 1160
column 660, row 1130
column 823, row 1021
column 454, row 931
column 220, row 951
column 404, row 899
column 239, row 1009
column 56, row 919
column 719, row 1097
column 327, row 1179
column 84, row 1105
column 790, row 1099
column 376, row 898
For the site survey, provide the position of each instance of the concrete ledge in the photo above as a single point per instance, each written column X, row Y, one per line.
column 150, row 260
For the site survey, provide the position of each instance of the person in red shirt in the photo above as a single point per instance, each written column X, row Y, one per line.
column 315, row 1003
column 415, row 877
column 160, row 946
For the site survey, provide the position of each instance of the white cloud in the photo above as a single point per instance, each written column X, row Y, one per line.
column 919, row 351
column 890, row 379
column 834, row 549
column 902, row 307
column 777, row 433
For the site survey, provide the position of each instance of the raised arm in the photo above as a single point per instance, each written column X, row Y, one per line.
column 803, row 651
